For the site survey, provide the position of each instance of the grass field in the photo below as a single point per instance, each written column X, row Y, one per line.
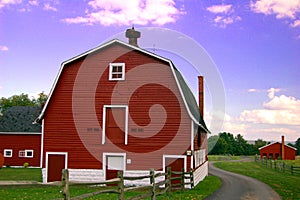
column 32, row 192
column 285, row 184
column 222, row 157
column 21, row 174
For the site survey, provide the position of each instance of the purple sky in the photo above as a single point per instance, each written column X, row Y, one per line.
column 254, row 44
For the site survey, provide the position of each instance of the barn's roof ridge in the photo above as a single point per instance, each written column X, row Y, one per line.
column 275, row 143
column 187, row 95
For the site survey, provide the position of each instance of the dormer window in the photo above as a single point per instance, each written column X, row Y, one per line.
column 116, row 71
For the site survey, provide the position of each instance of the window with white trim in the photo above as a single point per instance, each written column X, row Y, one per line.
column 29, row 153
column 26, row 153
column 21, row 153
column 116, row 71
column 8, row 152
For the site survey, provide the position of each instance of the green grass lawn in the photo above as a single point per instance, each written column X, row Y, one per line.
column 32, row 192
column 20, row 174
column 285, row 184
column 223, row 157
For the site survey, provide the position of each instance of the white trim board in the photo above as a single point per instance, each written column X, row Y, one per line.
column 104, row 121
column 105, row 154
column 174, row 156
column 55, row 153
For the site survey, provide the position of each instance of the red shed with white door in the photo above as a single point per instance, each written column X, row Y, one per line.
column 120, row 107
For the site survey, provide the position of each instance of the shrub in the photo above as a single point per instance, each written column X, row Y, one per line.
column 26, row 165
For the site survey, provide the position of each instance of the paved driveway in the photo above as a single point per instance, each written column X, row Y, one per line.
column 239, row 187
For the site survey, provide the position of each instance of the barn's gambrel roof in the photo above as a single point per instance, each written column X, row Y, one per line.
column 186, row 93
column 276, row 143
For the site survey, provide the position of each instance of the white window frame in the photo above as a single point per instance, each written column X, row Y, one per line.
column 22, row 154
column 26, row 153
column 104, row 121
column 111, row 73
column 5, row 153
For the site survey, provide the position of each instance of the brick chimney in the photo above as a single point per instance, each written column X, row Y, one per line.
column 201, row 95
column 282, row 147
column 132, row 36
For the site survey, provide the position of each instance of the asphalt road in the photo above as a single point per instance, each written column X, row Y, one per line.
column 239, row 187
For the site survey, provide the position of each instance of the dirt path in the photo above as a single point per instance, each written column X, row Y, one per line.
column 239, row 187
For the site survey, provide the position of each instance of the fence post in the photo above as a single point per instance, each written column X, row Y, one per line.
column 271, row 164
column 283, row 166
column 65, row 184
column 169, row 182
column 192, row 178
column 121, row 185
column 152, row 182
column 182, row 179
column 292, row 168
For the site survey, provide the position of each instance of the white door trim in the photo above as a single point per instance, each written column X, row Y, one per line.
column 56, row 153
column 104, row 121
column 106, row 154
column 174, row 156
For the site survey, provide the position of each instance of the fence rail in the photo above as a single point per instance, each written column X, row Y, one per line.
column 155, row 187
column 278, row 165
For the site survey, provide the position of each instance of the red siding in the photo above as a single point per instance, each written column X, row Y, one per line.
column 20, row 142
column 275, row 149
column 71, row 128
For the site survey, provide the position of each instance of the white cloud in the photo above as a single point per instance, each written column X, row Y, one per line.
column 252, row 90
column 3, row 48
column 33, row 3
column 296, row 23
column 233, row 126
column 120, row 12
column 224, row 15
column 271, row 92
column 4, row 3
column 279, row 8
column 48, row 7
column 281, row 109
column 223, row 21
column 220, row 8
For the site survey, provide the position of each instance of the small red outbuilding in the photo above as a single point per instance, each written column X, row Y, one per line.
column 277, row 150
column 20, row 147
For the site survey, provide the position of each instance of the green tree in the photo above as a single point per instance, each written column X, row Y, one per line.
column 41, row 100
column 220, row 148
column 297, row 145
column 212, row 141
column 15, row 100
column 241, row 147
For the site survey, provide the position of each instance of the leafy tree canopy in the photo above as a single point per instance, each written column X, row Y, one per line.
column 226, row 143
column 19, row 111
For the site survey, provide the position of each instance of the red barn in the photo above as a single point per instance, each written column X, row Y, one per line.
column 277, row 150
column 19, row 148
column 120, row 107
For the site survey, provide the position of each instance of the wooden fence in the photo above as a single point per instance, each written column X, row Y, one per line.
column 155, row 188
column 278, row 165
